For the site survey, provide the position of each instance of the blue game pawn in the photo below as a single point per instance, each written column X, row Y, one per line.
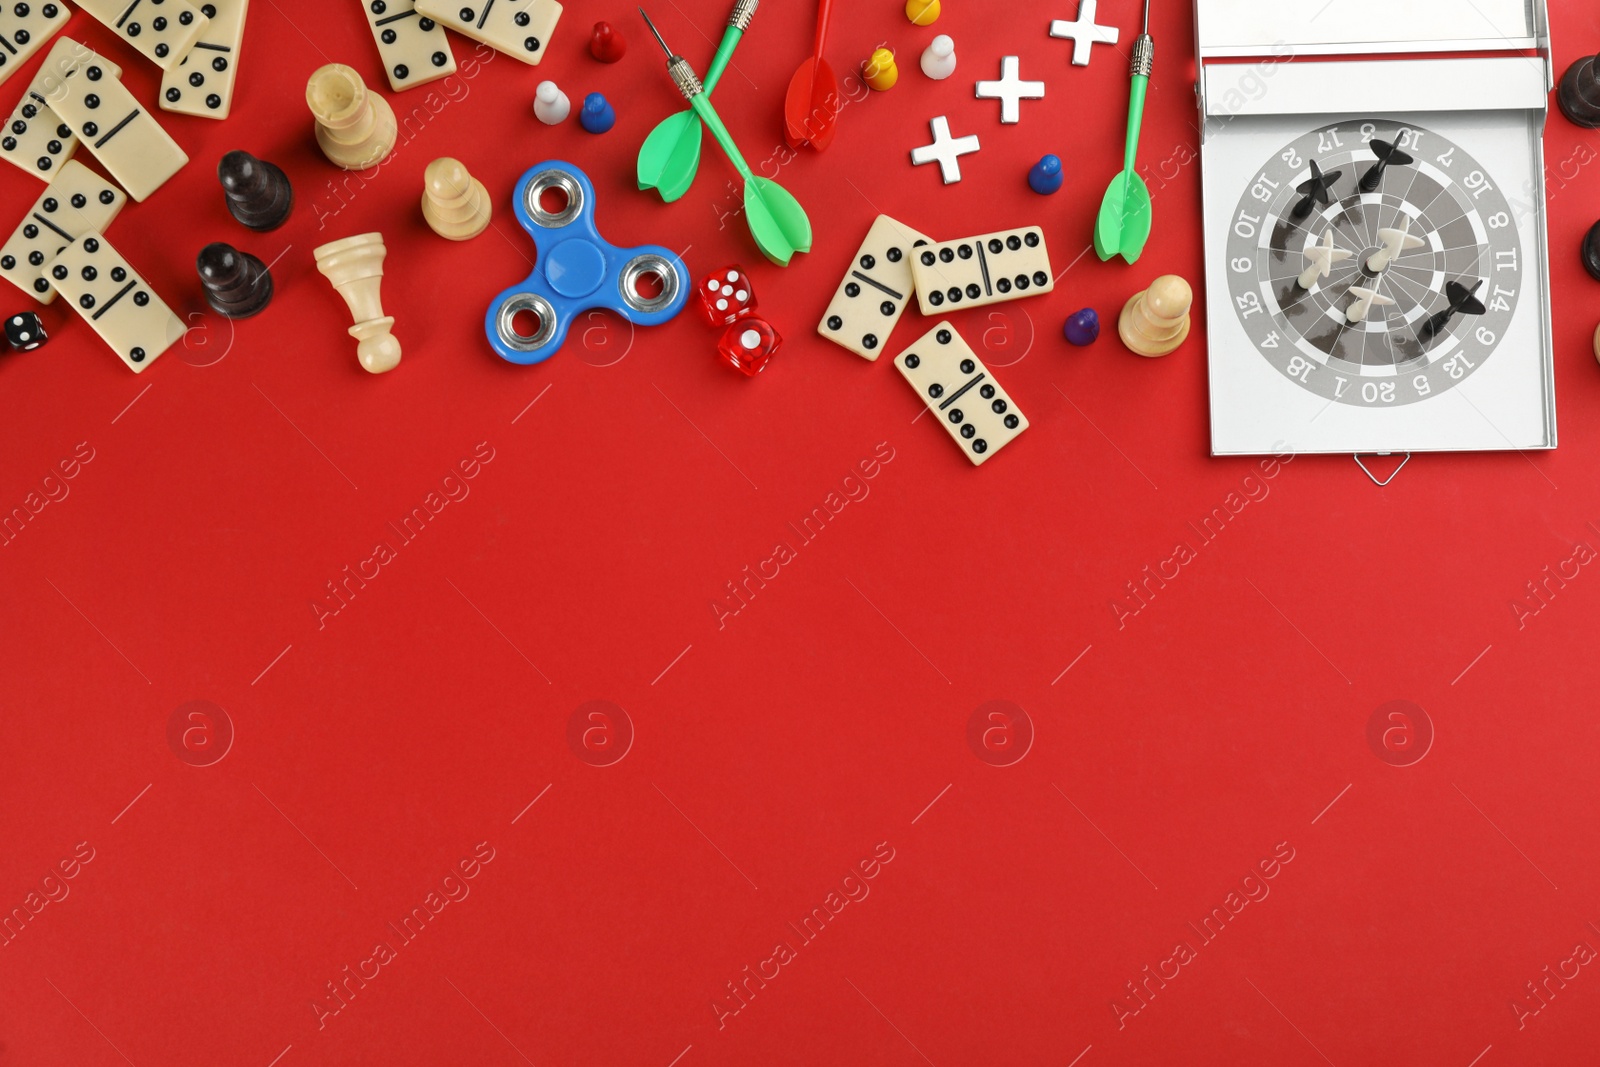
column 1083, row 328
column 597, row 115
column 1045, row 177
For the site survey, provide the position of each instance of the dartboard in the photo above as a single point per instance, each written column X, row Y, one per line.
column 1374, row 264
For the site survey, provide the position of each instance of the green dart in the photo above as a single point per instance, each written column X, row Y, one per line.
column 777, row 221
column 670, row 156
column 1124, row 223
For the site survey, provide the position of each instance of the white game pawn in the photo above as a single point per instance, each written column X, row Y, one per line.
column 1394, row 241
column 939, row 60
column 1010, row 90
column 550, row 104
column 1320, row 258
column 1084, row 34
column 945, row 149
column 1366, row 299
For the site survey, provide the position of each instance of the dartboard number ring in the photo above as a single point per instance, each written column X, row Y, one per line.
column 1374, row 263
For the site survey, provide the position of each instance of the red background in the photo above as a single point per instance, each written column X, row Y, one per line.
column 245, row 468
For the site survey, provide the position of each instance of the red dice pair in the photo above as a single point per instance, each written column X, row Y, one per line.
column 728, row 300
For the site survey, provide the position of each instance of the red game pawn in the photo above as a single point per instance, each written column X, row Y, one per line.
column 607, row 44
column 726, row 296
column 748, row 345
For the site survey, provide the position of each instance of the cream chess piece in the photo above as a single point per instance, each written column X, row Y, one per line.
column 1320, row 259
column 355, row 267
column 355, row 127
column 939, row 58
column 550, row 104
column 454, row 203
column 1366, row 300
column 1156, row 321
column 1394, row 241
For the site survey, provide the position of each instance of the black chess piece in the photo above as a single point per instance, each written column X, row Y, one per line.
column 1591, row 252
column 24, row 331
column 258, row 193
column 1314, row 191
column 1579, row 94
column 1461, row 300
column 1387, row 153
column 237, row 284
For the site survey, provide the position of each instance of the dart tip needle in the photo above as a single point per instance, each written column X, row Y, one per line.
column 655, row 33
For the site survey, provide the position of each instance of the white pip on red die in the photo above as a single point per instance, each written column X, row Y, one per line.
column 726, row 296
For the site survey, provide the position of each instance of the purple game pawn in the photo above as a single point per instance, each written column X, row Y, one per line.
column 1083, row 327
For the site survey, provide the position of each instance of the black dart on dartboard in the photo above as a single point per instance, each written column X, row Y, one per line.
column 1462, row 301
column 1314, row 191
column 1387, row 153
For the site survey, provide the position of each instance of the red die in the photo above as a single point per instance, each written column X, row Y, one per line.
column 748, row 344
column 726, row 296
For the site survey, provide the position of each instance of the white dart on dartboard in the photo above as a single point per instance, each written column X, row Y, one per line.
column 1320, row 258
column 1366, row 300
column 1395, row 241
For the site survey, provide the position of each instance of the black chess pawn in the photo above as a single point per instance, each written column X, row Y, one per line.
column 1579, row 94
column 1314, row 191
column 1387, row 153
column 237, row 284
column 258, row 193
column 1591, row 252
column 1461, row 301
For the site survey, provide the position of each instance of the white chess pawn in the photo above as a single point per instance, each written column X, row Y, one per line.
column 1366, row 299
column 1320, row 259
column 550, row 104
column 1394, row 242
column 939, row 60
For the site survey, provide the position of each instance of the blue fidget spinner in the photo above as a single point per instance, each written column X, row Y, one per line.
column 577, row 270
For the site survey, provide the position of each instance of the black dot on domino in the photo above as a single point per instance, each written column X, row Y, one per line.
column 995, row 245
column 531, row 43
column 91, row 128
column 936, row 298
column 89, row 274
column 426, row 24
column 953, row 295
column 36, row 258
column 851, row 289
column 118, row 274
column 973, row 292
column 868, row 261
column 1040, row 277
column 440, row 59
column 1013, row 242
column 213, row 101
column 401, row 71
column 91, row 245
column 79, row 201
column 390, row 37
column 869, row 341
column 50, row 204
column 7, row 262
column 107, row 196
column 1003, row 285
column 1011, row 422
column 174, row 95
column 86, row 301
column 40, row 285
column 965, row 251
column 887, row 307
column 197, row 79
column 913, row 361
column 58, row 272
column 1022, row 281
column 208, row 10
column 522, row 18
column 956, row 417
column 30, row 231
column 378, row 7
column 132, row 29
column 835, row 322
column 936, row 390
column 943, row 337
column 1031, row 240
column 137, row 355
column 967, row 366
column 969, row 430
column 927, row 259
column 467, row 14
column 92, row 100
column 893, row 255
column 998, row 407
column 946, row 256
column 141, row 299
column 980, row 446
column 94, row 73
column 986, row 391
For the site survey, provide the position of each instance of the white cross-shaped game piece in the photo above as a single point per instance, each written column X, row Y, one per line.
column 1085, row 33
column 945, row 149
column 1010, row 90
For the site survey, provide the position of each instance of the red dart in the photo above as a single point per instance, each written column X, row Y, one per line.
column 810, row 106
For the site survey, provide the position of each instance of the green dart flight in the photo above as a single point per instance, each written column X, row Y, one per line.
column 1124, row 223
column 670, row 155
column 776, row 220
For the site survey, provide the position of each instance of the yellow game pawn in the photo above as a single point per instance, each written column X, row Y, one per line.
column 355, row 127
column 880, row 72
column 1156, row 321
column 454, row 203
column 922, row 12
